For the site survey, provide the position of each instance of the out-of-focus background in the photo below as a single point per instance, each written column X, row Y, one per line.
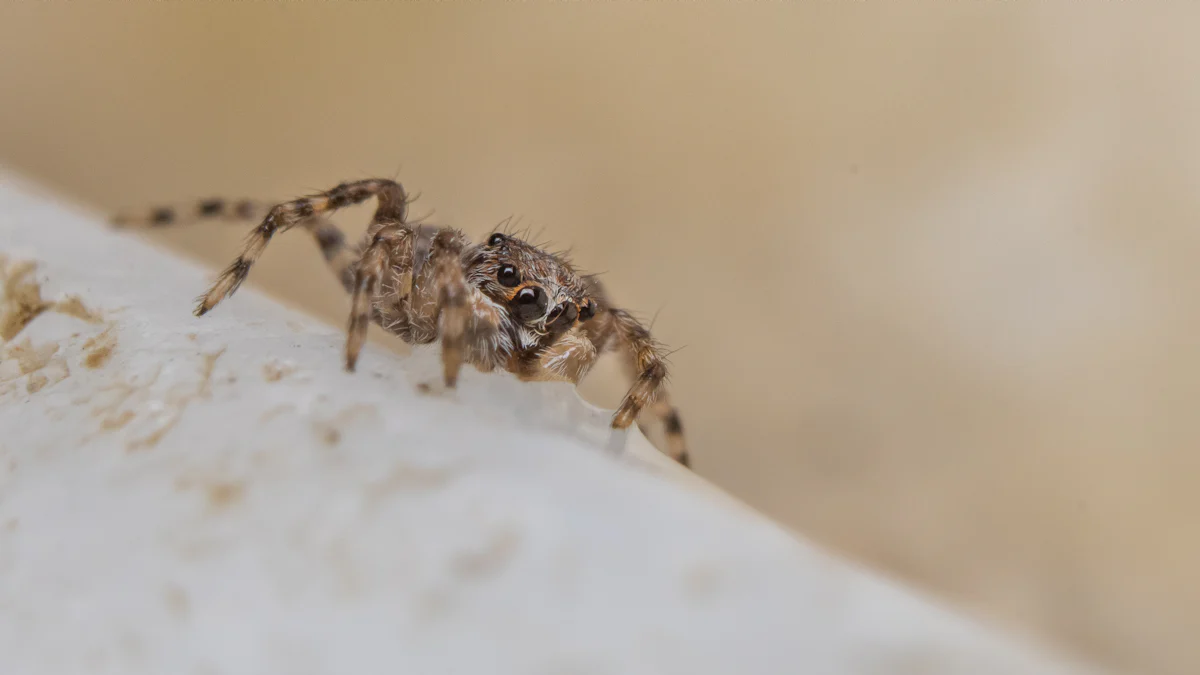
column 930, row 265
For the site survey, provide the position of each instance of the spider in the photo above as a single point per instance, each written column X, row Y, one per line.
column 503, row 303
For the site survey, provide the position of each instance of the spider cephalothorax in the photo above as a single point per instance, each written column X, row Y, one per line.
column 502, row 303
column 542, row 294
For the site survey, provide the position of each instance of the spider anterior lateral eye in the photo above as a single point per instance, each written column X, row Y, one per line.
column 496, row 239
column 508, row 276
column 588, row 310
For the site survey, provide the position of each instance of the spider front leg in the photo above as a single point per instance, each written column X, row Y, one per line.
column 649, row 372
column 437, row 300
column 391, row 247
column 468, row 324
column 453, row 303
column 567, row 359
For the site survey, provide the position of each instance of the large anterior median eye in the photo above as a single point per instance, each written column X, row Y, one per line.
column 508, row 276
column 530, row 303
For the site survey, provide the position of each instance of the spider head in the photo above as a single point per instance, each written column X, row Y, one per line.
column 539, row 289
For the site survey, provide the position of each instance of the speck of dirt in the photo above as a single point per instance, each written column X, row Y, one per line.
column 12, row 525
column 225, row 493
column 30, row 358
column 424, row 388
column 178, row 402
column 22, row 301
column 117, row 421
column 489, row 560
column 206, row 373
column 276, row 371
column 275, row 412
column 329, row 431
column 434, row 604
column 98, row 358
column 100, row 349
column 132, row 647
column 177, row 601
column 701, row 582
column 405, row 477
column 113, row 397
column 36, row 382
column 73, row 305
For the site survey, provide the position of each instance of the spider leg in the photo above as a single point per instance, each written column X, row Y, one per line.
column 392, row 208
column 569, row 358
column 672, row 428
column 329, row 238
column 459, row 325
column 390, row 246
column 644, row 361
column 435, row 291
column 239, row 210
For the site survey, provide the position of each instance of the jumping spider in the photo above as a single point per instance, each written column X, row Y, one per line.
column 503, row 303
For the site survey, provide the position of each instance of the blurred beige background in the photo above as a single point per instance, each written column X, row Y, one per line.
column 930, row 265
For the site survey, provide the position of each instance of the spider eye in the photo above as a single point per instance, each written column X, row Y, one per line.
column 530, row 303
column 588, row 310
column 563, row 316
column 569, row 313
column 508, row 276
column 496, row 239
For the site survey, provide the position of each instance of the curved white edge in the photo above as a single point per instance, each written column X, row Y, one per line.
column 216, row 495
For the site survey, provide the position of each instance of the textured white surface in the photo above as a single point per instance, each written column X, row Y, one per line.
column 216, row 495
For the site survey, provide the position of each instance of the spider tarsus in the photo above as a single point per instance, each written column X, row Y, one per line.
column 202, row 306
column 623, row 417
column 451, row 363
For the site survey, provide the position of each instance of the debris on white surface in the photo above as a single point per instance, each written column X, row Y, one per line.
column 216, row 495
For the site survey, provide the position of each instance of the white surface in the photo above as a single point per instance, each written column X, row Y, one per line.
column 220, row 497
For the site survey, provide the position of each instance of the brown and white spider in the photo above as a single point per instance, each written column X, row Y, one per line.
column 503, row 303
